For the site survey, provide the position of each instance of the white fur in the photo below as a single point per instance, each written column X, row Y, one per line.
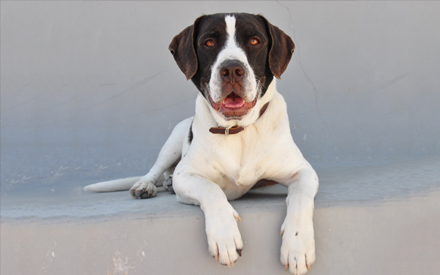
column 218, row 168
column 112, row 185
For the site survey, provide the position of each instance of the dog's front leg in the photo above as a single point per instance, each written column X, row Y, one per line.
column 168, row 157
column 224, row 239
column 298, row 246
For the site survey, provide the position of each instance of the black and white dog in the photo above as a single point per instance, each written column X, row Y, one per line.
column 239, row 137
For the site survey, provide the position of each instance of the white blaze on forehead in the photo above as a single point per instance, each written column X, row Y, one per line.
column 231, row 43
column 230, row 28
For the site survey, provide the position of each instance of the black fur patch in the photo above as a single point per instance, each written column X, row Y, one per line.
column 191, row 134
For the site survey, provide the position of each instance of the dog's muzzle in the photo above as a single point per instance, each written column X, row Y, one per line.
column 232, row 103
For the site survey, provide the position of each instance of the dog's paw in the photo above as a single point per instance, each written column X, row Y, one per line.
column 168, row 184
column 298, row 247
column 143, row 190
column 224, row 239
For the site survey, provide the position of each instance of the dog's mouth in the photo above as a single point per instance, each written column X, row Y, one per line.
column 233, row 106
column 233, row 101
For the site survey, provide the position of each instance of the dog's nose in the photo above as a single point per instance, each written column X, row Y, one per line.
column 232, row 71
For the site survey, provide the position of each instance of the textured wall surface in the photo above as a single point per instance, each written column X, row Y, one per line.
column 89, row 90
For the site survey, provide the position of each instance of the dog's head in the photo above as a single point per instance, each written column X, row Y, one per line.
column 232, row 59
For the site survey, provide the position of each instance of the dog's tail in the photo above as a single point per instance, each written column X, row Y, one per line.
column 112, row 185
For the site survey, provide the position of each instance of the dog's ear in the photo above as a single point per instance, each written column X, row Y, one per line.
column 280, row 51
column 183, row 50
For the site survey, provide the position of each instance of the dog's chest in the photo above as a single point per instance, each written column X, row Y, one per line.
column 235, row 179
column 238, row 161
column 245, row 174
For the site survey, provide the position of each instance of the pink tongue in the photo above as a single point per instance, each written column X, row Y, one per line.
column 233, row 102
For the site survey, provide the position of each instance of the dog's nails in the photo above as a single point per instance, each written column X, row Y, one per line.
column 239, row 251
column 237, row 217
column 216, row 258
column 286, row 266
column 229, row 265
column 282, row 232
column 307, row 264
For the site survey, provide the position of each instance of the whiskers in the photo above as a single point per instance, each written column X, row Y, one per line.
column 206, row 79
column 260, row 84
column 205, row 86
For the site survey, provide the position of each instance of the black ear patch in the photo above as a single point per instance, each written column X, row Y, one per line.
column 280, row 51
column 183, row 50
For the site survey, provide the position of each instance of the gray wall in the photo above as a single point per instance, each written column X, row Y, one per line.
column 90, row 92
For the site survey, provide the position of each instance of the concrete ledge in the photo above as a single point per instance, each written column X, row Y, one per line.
column 396, row 233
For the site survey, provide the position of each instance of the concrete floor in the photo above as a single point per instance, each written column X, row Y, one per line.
column 371, row 218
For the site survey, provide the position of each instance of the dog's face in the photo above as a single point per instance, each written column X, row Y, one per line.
column 232, row 59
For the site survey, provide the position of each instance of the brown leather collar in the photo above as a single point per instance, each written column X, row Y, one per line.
column 234, row 129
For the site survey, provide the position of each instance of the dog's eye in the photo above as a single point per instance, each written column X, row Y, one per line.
column 209, row 43
column 255, row 41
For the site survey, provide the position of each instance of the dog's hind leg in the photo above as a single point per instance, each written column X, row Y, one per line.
column 168, row 158
column 168, row 182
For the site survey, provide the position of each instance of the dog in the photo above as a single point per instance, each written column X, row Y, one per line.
column 239, row 137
